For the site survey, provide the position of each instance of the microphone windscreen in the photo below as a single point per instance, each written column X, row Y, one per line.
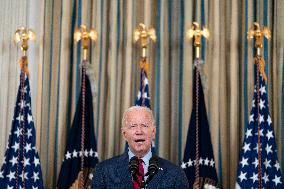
column 133, row 166
column 153, row 166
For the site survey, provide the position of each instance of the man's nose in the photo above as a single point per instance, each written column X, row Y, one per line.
column 139, row 130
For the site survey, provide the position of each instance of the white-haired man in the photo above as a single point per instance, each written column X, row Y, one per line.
column 151, row 171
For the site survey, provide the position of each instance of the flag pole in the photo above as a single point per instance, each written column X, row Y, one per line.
column 196, row 33
column 22, row 35
column 255, row 32
column 85, row 36
column 142, row 33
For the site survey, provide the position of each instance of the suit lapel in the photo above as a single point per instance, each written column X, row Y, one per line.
column 122, row 169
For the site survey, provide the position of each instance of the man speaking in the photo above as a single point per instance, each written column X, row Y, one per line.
column 138, row 168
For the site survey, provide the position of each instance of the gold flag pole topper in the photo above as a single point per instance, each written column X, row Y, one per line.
column 257, row 33
column 83, row 34
column 22, row 36
column 196, row 33
column 142, row 33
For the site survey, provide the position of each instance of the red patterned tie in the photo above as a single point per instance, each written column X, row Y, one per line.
column 140, row 175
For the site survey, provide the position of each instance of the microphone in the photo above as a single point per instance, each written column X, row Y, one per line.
column 133, row 165
column 153, row 166
column 152, row 169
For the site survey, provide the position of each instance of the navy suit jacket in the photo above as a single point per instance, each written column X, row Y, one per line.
column 113, row 174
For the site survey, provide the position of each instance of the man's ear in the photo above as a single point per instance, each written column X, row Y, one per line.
column 123, row 133
column 154, row 133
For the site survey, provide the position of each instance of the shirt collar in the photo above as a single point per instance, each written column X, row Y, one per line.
column 145, row 159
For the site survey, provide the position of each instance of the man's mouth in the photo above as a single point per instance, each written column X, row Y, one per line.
column 139, row 141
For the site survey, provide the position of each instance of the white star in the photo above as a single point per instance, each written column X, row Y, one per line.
column 96, row 154
column 246, row 147
column 200, row 161
column 244, row 161
column 265, row 178
column 251, row 118
column 68, row 155
column 255, row 162
column 249, row 133
column 256, row 148
column 260, row 132
column 1, row 174
column 261, row 119
column 183, row 165
column 261, row 104
column 30, row 118
column 36, row 161
column 28, row 147
column 11, row 176
column 91, row 176
column 190, row 163
column 24, row 176
column 9, row 187
column 146, row 82
column 29, row 133
column 277, row 166
column 212, row 162
column 35, row 176
column 35, row 187
column 242, row 176
column 267, row 163
column 145, row 95
column 262, row 90
column 269, row 120
column 139, row 95
column 18, row 132
column 91, row 152
column 268, row 149
column 206, row 161
column 253, row 101
column 16, row 146
column 276, row 180
column 269, row 135
column 254, row 177
column 26, row 162
column 14, row 160
column 74, row 154
column 24, row 90
column 86, row 153
column 22, row 104
column 80, row 153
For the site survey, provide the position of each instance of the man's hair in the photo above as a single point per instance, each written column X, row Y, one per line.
column 137, row 108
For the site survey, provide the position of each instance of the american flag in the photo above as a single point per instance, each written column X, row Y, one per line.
column 21, row 166
column 143, row 97
column 198, row 162
column 248, row 168
column 74, row 154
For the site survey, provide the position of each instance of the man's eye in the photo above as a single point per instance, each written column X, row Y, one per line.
column 144, row 125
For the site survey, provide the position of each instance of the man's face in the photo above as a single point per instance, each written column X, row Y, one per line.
column 139, row 131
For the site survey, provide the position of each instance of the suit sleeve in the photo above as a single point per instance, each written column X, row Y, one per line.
column 99, row 181
column 181, row 180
